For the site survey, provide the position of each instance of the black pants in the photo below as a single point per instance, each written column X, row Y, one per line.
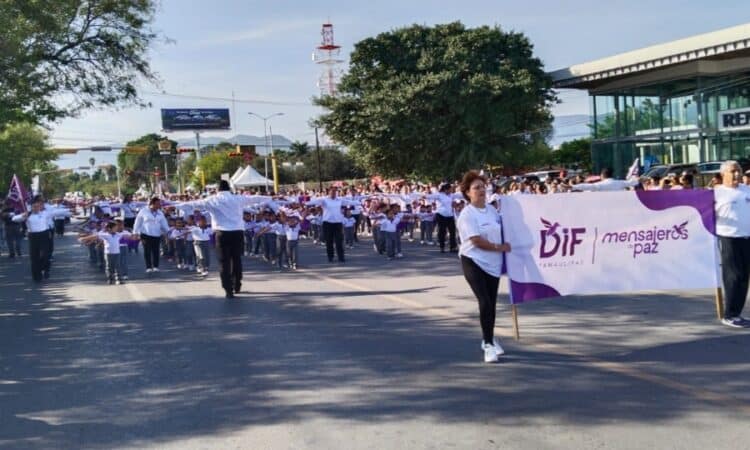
column 229, row 246
column 151, row 250
column 446, row 224
column 357, row 223
column 51, row 243
column 485, row 288
column 60, row 226
column 735, row 273
column 128, row 222
column 334, row 232
column 39, row 254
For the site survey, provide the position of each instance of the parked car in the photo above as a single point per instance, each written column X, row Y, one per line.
column 664, row 170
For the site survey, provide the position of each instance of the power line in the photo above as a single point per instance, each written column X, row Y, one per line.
column 229, row 99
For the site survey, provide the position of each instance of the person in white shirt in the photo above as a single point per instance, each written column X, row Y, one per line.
column 111, row 240
column 388, row 227
column 350, row 223
column 37, row 225
column 128, row 211
column 732, row 205
column 226, row 211
column 444, row 216
column 291, row 230
column 481, row 256
column 201, row 235
column 607, row 183
column 333, row 230
column 150, row 225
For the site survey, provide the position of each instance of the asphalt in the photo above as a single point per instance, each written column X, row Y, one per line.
column 369, row 354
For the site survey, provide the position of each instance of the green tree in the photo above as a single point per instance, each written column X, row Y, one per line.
column 574, row 153
column 58, row 57
column 434, row 101
column 299, row 149
column 216, row 163
column 23, row 149
column 137, row 169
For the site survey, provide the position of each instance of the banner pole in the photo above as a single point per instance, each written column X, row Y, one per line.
column 514, row 317
column 719, row 303
column 719, row 294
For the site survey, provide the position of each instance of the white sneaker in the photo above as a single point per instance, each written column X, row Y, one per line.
column 149, row 270
column 155, row 269
column 490, row 355
column 399, row 255
column 179, row 266
column 118, row 282
column 421, row 242
column 204, row 273
column 495, row 343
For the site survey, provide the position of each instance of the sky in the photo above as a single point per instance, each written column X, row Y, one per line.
column 260, row 52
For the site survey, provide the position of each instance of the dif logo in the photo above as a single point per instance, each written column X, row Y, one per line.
column 555, row 239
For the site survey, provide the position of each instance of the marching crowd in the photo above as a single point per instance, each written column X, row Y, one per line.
column 184, row 228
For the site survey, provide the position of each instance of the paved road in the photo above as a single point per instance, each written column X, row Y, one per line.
column 367, row 355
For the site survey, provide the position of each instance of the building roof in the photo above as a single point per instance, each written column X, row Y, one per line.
column 728, row 43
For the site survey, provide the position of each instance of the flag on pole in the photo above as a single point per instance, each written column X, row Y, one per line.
column 634, row 170
column 17, row 194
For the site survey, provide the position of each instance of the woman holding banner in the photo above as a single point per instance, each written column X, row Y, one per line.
column 481, row 246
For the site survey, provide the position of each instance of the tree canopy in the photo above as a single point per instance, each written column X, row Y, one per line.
column 435, row 101
column 138, row 168
column 23, row 149
column 58, row 57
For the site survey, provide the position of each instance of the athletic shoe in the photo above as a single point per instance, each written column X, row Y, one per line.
column 495, row 343
column 421, row 242
column 736, row 322
column 124, row 277
column 149, row 270
column 118, row 282
column 204, row 273
column 399, row 255
column 156, row 269
column 411, row 240
column 490, row 354
column 179, row 266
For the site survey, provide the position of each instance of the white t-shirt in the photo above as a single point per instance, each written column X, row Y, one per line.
column 485, row 224
column 111, row 241
column 732, row 211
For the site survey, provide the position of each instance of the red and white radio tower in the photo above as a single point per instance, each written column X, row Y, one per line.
column 327, row 55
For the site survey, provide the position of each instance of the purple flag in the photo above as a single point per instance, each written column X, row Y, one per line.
column 17, row 194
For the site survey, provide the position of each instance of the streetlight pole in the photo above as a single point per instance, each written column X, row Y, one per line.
column 265, row 138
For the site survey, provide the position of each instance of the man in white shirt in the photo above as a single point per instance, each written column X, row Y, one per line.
column 150, row 225
column 607, row 183
column 732, row 204
column 227, row 222
column 37, row 224
column 333, row 220
column 445, row 217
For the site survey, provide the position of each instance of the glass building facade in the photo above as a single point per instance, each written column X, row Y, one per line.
column 670, row 122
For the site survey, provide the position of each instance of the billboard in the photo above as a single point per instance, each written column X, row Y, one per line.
column 195, row 119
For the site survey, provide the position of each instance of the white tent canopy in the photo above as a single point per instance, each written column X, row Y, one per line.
column 237, row 173
column 251, row 177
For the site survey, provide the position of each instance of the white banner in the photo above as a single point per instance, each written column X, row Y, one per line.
column 609, row 242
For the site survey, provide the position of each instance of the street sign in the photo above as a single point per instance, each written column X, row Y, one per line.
column 165, row 145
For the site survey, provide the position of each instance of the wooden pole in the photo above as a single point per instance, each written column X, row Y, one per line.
column 514, row 317
column 719, row 303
